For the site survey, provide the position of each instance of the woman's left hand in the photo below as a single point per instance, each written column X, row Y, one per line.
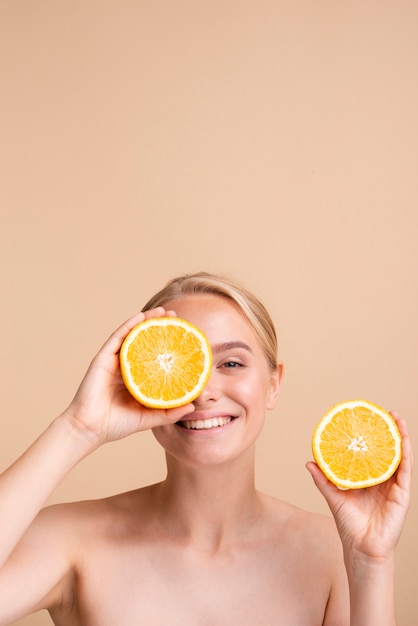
column 370, row 520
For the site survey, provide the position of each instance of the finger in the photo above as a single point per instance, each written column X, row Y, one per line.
column 325, row 486
column 407, row 453
column 175, row 414
column 154, row 418
column 330, row 492
column 406, row 441
column 404, row 471
column 159, row 311
column 113, row 344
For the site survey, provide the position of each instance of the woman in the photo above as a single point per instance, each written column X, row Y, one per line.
column 203, row 547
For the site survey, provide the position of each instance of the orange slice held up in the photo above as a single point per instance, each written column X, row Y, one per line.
column 357, row 444
column 165, row 362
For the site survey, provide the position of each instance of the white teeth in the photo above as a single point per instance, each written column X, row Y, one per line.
column 206, row 424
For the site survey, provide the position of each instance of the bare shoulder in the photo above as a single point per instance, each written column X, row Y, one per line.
column 63, row 533
column 41, row 572
column 301, row 519
column 79, row 519
column 312, row 553
column 312, row 533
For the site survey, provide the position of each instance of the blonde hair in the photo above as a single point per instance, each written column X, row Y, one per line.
column 251, row 307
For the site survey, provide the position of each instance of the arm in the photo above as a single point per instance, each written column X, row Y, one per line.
column 369, row 522
column 101, row 411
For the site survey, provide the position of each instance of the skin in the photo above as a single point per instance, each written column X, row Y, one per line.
column 203, row 546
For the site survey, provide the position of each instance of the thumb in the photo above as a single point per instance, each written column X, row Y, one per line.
column 329, row 491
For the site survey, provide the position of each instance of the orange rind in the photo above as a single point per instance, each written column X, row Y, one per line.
column 165, row 362
column 357, row 444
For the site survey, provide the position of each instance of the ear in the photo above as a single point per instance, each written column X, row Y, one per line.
column 274, row 392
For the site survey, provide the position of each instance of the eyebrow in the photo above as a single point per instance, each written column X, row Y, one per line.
column 230, row 345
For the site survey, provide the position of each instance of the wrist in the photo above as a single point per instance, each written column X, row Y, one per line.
column 364, row 566
column 371, row 584
column 79, row 437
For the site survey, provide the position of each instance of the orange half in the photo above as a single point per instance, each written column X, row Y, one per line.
column 357, row 444
column 165, row 362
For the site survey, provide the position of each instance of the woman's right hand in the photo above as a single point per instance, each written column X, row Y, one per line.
column 103, row 410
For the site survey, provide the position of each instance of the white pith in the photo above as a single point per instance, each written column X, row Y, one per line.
column 358, row 445
column 165, row 361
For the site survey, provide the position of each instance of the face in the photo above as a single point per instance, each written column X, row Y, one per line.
column 230, row 412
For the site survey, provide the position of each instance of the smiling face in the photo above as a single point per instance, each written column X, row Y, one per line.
column 230, row 411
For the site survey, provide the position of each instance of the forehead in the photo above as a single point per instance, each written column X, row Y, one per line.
column 219, row 318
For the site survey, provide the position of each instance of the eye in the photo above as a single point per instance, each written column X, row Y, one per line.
column 231, row 364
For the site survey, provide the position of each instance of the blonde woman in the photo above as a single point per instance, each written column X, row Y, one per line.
column 203, row 547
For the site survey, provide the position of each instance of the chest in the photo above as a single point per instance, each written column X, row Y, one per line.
column 171, row 585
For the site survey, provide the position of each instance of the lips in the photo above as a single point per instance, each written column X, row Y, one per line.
column 205, row 424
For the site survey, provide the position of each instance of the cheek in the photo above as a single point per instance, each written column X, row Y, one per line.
column 252, row 390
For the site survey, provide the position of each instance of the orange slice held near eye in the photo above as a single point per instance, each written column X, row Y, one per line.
column 357, row 444
column 165, row 362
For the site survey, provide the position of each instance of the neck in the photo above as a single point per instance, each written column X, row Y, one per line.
column 209, row 505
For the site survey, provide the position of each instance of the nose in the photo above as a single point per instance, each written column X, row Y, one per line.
column 210, row 392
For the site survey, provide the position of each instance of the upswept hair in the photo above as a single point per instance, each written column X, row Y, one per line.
column 206, row 283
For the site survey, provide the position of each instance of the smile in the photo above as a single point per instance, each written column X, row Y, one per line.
column 206, row 424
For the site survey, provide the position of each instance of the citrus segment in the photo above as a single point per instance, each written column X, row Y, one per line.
column 165, row 362
column 357, row 444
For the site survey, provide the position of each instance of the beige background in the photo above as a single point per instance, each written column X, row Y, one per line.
column 275, row 141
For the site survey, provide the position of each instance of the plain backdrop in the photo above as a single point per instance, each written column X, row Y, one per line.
column 275, row 141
